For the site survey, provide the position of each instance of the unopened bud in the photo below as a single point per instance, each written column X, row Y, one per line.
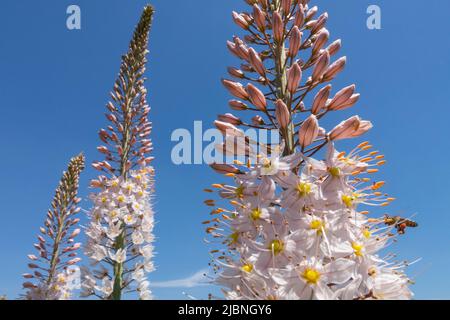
column 240, row 20
column 334, row 69
column 320, row 99
column 322, row 38
column 308, row 131
column 236, row 89
column 282, row 114
column 257, row 97
column 237, row 105
column 229, row 118
column 295, row 41
column 277, row 27
column 256, row 62
column 294, row 76
column 321, row 66
column 341, row 98
column 260, row 17
column 350, row 128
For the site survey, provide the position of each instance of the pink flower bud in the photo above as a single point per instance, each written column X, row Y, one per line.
column 311, row 12
column 334, row 47
column 236, row 89
column 286, row 6
column 322, row 38
column 103, row 149
column 75, row 233
column 282, row 114
column 96, row 184
column 257, row 120
column 28, row 285
column 260, row 17
column 295, row 41
column 300, row 17
column 237, row 105
column 321, row 66
column 73, row 261
column 277, row 27
column 224, row 168
column 350, row 102
column 32, row 257
column 107, row 165
column 294, row 76
column 236, row 72
column 334, row 69
column 341, row 98
column 350, row 128
column 229, row 118
column 320, row 99
column 97, row 166
column 256, row 62
column 308, row 131
column 321, row 21
column 27, row 275
column 232, row 47
column 240, row 20
column 257, row 97
column 228, row 129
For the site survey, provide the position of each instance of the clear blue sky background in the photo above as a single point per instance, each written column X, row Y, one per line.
column 54, row 84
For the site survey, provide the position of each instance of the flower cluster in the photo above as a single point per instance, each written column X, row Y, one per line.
column 295, row 229
column 122, row 218
column 54, row 268
column 303, row 236
column 121, row 211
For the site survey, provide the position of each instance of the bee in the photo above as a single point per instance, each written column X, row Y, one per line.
column 401, row 224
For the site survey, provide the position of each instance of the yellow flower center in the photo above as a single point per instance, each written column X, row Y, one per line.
column 311, row 276
column 276, row 246
column 256, row 214
column 247, row 267
column 357, row 248
column 335, row 172
column 303, row 189
column 115, row 183
column 121, row 199
column 267, row 163
column 239, row 191
column 234, row 237
column 367, row 234
column 316, row 224
column 348, row 200
column 104, row 199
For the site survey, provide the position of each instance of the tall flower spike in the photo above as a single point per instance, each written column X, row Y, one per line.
column 120, row 231
column 291, row 226
column 54, row 267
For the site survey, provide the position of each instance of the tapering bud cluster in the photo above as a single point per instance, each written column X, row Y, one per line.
column 295, row 228
column 52, row 271
column 120, row 232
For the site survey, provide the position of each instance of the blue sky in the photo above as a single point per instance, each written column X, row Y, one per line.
column 55, row 82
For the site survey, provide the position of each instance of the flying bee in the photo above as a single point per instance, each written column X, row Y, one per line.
column 399, row 223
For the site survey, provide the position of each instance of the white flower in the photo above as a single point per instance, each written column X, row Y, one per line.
column 119, row 256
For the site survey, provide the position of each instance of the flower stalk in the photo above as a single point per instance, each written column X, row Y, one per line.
column 121, row 207
column 291, row 224
column 56, row 247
